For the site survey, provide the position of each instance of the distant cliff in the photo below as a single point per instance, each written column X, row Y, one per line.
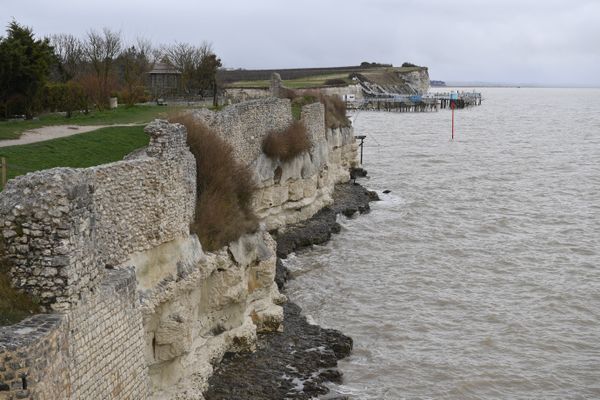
column 368, row 79
column 390, row 81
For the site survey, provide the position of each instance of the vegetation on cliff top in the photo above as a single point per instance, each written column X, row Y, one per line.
column 78, row 151
column 288, row 143
column 224, row 188
column 335, row 107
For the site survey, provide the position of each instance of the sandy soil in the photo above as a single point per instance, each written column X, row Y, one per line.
column 53, row 132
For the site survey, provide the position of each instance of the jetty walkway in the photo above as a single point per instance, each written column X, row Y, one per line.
column 417, row 103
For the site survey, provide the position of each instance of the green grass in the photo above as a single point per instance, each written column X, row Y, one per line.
column 121, row 115
column 14, row 306
column 315, row 81
column 260, row 84
column 300, row 83
column 79, row 151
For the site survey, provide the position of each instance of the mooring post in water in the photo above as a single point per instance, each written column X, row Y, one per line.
column 362, row 139
column 452, row 107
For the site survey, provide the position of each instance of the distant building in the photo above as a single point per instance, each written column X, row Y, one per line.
column 164, row 81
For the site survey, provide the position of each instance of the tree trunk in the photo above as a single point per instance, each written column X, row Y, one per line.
column 215, row 95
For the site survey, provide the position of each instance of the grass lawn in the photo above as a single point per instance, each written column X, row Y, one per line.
column 121, row 115
column 249, row 84
column 299, row 83
column 79, row 151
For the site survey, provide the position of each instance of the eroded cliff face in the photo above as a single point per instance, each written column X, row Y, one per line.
column 394, row 81
column 417, row 80
column 110, row 247
column 203, row 305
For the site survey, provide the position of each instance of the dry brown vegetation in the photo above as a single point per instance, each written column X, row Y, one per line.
column 287, row 144
column 335, row 107
column 335, row 111
column 14, row 305
column 225, row 188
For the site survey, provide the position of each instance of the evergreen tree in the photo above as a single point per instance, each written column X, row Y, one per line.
column 24, row 67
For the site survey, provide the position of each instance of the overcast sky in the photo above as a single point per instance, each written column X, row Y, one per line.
column 555, row 42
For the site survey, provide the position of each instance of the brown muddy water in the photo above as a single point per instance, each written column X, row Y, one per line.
column 478, row 276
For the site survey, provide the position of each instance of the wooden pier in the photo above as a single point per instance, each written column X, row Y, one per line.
column 460, row 99
column 416, row 103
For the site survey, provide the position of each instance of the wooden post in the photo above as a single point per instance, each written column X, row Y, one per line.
column 3, row 172
column 452, row 107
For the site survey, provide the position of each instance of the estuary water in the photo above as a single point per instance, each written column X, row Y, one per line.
column 478, row 275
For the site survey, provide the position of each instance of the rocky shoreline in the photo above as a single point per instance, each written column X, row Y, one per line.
column 296, row 363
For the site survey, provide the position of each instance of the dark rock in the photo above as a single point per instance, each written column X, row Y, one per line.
column 332, row 375
column 373, row 195
column 297, row 363
column 282, row 274
column 386, row 191
column 358, row 173
column 281, row 362
column 348, row 199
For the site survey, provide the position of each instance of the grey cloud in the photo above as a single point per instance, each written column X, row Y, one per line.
column 551, row 41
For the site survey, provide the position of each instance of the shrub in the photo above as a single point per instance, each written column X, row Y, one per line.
column 225, row 188
column 68, row 97
column 409, row 65
column 335, row 111
column 131, row 95
column 335, row 108
column 14, row 305
column 287, row 144
column 287, row 93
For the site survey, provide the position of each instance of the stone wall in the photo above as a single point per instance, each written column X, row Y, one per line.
column 244, row 125
column 106, row 342
column 294, row 190
column 94, row 352
column 63, row 226
column 63, row 231
column 34, row 359
column 145, row 312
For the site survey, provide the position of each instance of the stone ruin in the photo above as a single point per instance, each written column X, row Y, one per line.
column 136, row 308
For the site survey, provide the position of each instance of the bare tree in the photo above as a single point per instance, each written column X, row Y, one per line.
column 101, row 50
column 70, row 53
column 188, row 60
column 135, row 62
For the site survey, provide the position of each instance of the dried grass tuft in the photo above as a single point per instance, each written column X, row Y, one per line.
column 225, row 188
column 287, row 144
column 335, row 112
